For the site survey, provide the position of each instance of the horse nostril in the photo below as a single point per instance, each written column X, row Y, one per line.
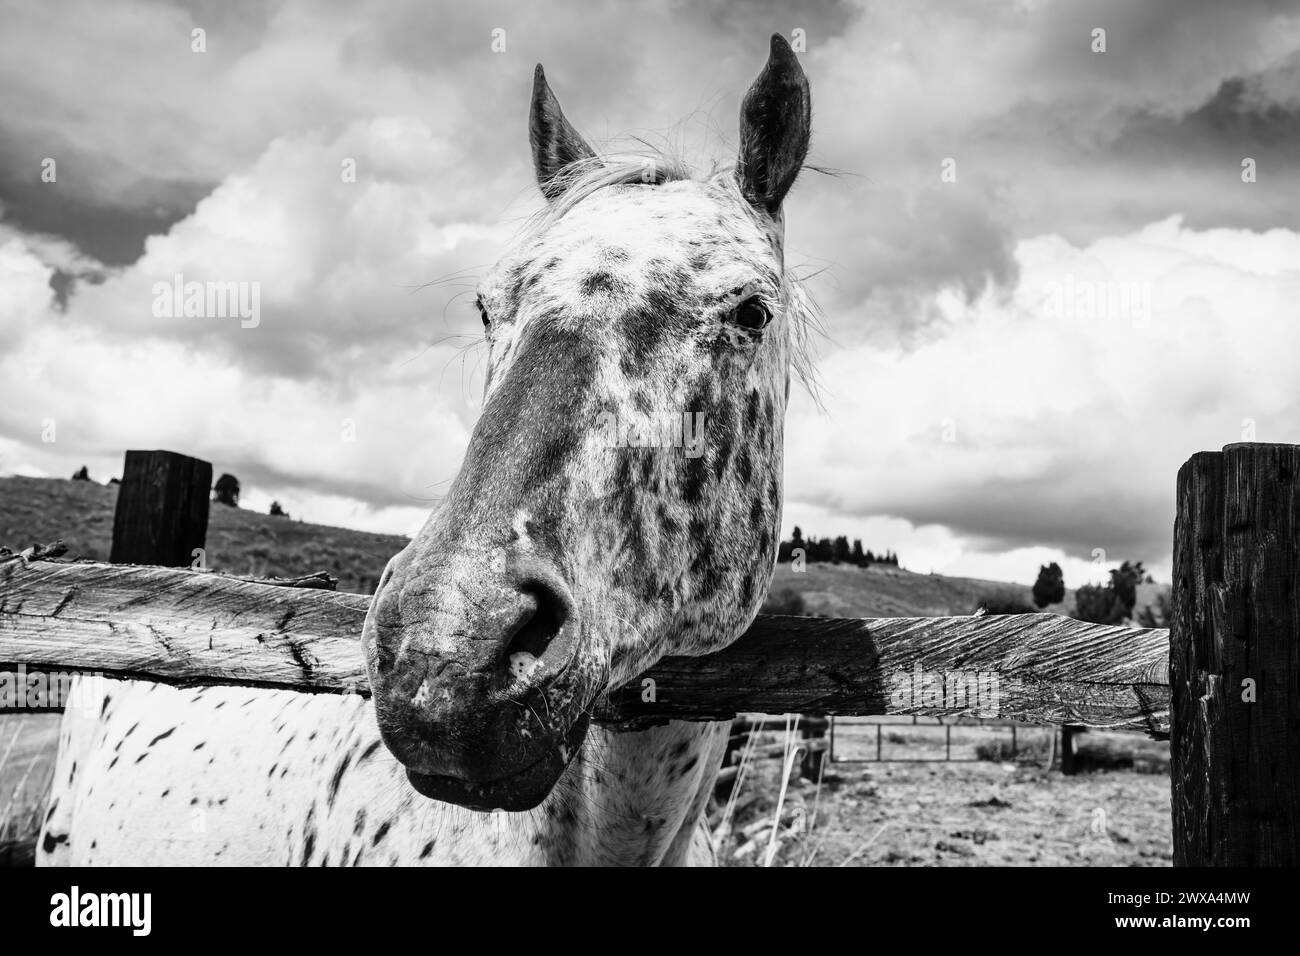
column 527, row 645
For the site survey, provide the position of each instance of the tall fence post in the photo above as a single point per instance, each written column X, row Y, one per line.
column 1235, row 658
column 162, row 509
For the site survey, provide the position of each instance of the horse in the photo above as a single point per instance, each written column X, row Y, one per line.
column 580, row 542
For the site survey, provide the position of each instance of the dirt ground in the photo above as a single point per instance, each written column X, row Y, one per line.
column 978, row 813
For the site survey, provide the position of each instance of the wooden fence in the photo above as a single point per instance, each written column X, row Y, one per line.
column 1221, row 684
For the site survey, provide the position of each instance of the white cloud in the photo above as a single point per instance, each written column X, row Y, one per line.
column 1057, row 414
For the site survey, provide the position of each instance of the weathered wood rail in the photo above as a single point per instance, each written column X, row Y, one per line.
column 193, row 627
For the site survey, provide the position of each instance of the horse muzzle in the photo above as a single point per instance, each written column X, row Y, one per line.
column 480, row 679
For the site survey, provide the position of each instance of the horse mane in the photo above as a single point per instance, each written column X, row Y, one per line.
column 654, row 167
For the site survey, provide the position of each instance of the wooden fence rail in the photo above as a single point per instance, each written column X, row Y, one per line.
column 192, row 627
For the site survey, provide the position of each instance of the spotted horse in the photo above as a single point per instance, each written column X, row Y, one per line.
column 569, row 556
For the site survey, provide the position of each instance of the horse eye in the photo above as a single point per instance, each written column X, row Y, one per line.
column 753, row 314
column 483, row 312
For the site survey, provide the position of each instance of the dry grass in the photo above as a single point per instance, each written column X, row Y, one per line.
column 27, row 751
column 979, row 813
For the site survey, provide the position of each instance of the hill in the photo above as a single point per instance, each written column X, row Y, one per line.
column 842, row 590
column 239, row 541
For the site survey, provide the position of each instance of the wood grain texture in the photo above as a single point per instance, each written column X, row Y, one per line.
column 1235, row 764
column 190, row 627
column 179, row 626
column 162, row 509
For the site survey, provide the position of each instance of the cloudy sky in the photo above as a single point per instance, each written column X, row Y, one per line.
column 1049, row 271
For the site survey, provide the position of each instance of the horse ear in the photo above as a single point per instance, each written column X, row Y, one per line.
column 775, row 124
column 556, row 144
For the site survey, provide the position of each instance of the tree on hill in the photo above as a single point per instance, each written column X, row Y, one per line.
column 1124, row 581
column 1050, row 586
column 227, row 490
column 81, row 474
column 1112, row 602
column 1099, row 604
column 836, row 550
column 277, row 511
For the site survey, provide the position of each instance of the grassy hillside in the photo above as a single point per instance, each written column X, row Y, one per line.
column 239, row 541
column 883, row 591
column 842, row 590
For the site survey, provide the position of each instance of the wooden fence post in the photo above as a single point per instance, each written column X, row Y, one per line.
column 1235, row 659
column 1070, row 748
column 162, row 509
column 813, row 729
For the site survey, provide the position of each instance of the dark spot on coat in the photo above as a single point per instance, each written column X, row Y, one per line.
column 337, row 779
column 695, row 479
column 599, row 281
column 744, row 466
column 161, row 736
column 381, row 832
column 752, row 407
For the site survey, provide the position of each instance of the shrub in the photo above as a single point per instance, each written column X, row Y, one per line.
column 786, row 601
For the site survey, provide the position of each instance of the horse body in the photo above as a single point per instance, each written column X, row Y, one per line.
column 580, row 542
column 230, row 776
